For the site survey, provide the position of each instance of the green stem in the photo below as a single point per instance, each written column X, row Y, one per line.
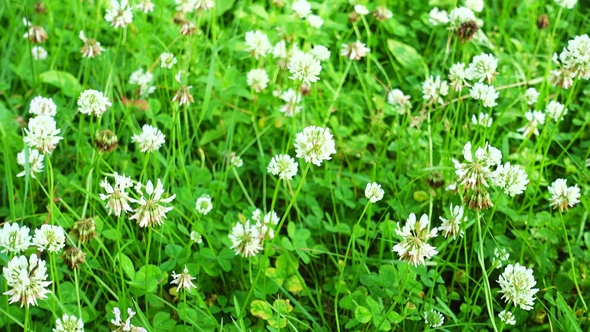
column 488, row 290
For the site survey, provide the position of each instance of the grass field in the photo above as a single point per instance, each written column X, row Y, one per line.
column 254, row 165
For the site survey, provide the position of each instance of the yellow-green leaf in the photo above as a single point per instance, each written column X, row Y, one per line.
column 261, row 309
column 293, row 285
column 282, row 306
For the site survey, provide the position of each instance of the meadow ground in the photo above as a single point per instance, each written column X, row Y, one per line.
column 254, row 165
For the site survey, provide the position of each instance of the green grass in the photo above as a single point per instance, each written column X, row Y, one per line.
column 330, row 266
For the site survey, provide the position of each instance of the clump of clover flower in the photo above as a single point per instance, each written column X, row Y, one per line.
column 437, row 16
column 144, row 80
column 245, row 239
column 562, row 196
column 235, row 160
column 576, row 57
column 145, row 6
column 321, row 52
column 315, row 21
column 39, row 53
column 167, row 60
column 484, row 120
column 204, row 5
column 507, row 317
column 433, row 89
column 433, row 318
column 373, row 192
column 49, row 237
column 501, row 257
column 150, row 211
column 486, row 93
column 42, row 106
column 355, row 50
column 183, row 280
column 27, row 279
column 69, row 323
column 459, row 16
column 119, row 15
column 314, row 144
column 41, row 134
column 292, row 100
column 511, row 178
column 257, row 79
column 91, row 47
column 125, row 326
column 452, row 226
column 116, row 196
column 304, row 67
column 483, row 67
column 534, row 120
column 283, row 166
column 14, row 239
column 93, row 102
column 150, row 139
column 400, row 102
column 257, row 44
column 182, row 95
column 530, row 96
column 414, row 247
column 555, row 110
column 35, row 162
column 516, row 283
column 204, row 204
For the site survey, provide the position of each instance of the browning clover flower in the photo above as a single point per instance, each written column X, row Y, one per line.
column 126, row 326
column 35, row 162
column 150, row 212
column 414, row 247
column 477, row 169
column 183, row 280
column 355, row 50
column 452, row 226
column 91, row 47
column 119, row 14
column 117, row 196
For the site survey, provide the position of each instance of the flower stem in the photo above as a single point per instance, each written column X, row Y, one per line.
column 488, row 290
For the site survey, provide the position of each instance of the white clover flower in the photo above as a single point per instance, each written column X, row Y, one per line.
column 433, row 89
column 567, row 4
column 400, row 102
column 517, row 284
column 280, row 50
column 361, row 10
column 28, row 279
column 183, row 280
column 49, row 237
column 145, row 6
column 14, row 239
column 414, row 247
column 562, row 196
column 555, row 110
column 167, row 60
column 315, row 21
column 185, row 6
column 373, row 192
column 483, row 119
column 245, row 239
column 482, row 67
column 283, row 166
column 38, row 53
column 314, row 144
column 511, row 178
column 355, row 50
column 452, row 226
column 507, row 317
column 486, row 93
column 41, row 134
column 91, row 47
column 69, row 323
column 182, row 95
column 321, row 52
column 257, row 79
column 458, row 76
column 302, row 8
column 42, row 106
column 257, row 44
column 264, row 224
column 531, row 95
column 150, row 211
column 144, row 80
column 35, row 162
column 433, row 318
column 304, row 67
column 501, row 256
column 477, row 169
column 204, row 204
column 125, row 326
column 382, row 14
column 475, row 5
column 438, row 16
column 563, row 76
column 235, row 160
column 535, row 118
column 150, row 139
column 204, row 5
column 460, row 15
column 292, row 100
column 576, row 57
column 117, row 196
column 93, row 102
column 119, row 14
column 196, row 237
